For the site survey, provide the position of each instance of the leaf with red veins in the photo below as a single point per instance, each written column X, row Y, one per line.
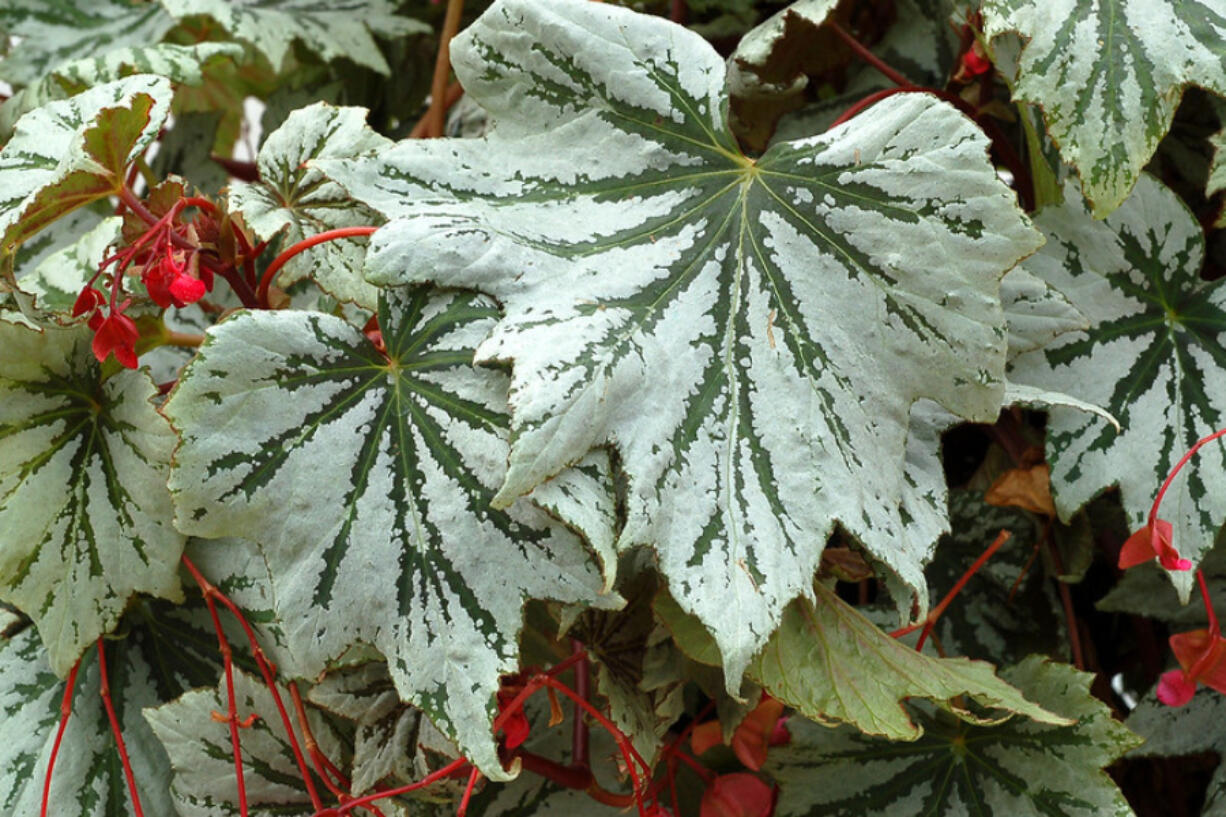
column 1152, row 541
column 738, row 795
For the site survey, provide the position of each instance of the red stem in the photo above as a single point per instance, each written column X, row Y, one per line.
column 702, row 771
column 1153, row 511
column 678, row 12
column 931, row 619
column 65, row 713
column 872, row 59
column 223, row 646
column 325, row 768
column 104, row 690
column 579, row 736
column 433, row 777
column 1204, row 594
column 305, row 244
column 571, row 777
column 267, row 670
column 473, row 777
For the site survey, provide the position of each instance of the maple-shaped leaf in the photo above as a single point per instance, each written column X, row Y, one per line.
column 831, row 663
column 166, row 650
column 330, row 28
column 1176, row 731
column 1109, row 76
column 704, row 312
column 178, row 63
column 74, row 151
column 201, row 754
column 367, row 479
column 83, row 501
column 1020, row 767
column 1153, row 357
column 293, row 197
column 1035, row 312
column 53, row 33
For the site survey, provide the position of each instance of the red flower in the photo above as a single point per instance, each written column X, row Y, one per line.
column 88, row 302
column 1202, row 656
column 762, row 728
column 1151, row 541
column 116, row 334
column 974, row 62
column 168, row 281
column 737, row 795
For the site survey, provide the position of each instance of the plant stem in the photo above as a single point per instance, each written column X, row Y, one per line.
column 931, row 619
column 454, row 92
column 1066, row 601
column 571, row 777
column 65, row 713
column 185, row 339
column 678, row 12
column 868, row 56
column 442, row 70
column 104, row 689
column 1153, row 511
column 579, row 735
column 261, row 294
column 323, row 766
column 473, row 777
column 433, row 777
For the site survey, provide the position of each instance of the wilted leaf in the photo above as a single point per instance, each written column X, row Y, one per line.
column 1021, row 767
column 367, row 480
column 1152, row 357
column 726, row 294
column 83, row 501
column 291, row 195
column 1026, row 487
column 1109, row 76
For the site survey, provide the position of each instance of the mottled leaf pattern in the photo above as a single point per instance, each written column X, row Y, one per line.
column 74, row 151
column 83, row 501
column 330, row 28
column 178, row 63
column 165, row 650
column 57, row 280
column 1021, row 768
column 203, row 761
column 1035, row 312
column 702, row 311
column 1186, row 730
column 831, row 663
column 298, row 199
column 1109, row 74
column 54, row 33
column 367, row 479
column 1153, row 357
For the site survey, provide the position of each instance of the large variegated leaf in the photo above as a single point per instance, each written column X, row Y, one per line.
column 202, row 758
column 57, row 281
column 1186, row 730
column 1153, row 357
column 1019, row 768
column 831, row 663
column 83, row 501
column 1036, row 312
column 330, row 28
column 298, row 199
column 165, row 651
column 54, row 33
column 178, row 63
column 1109, row 74
column 702, row 311
column 71, row 152
column 367, row 479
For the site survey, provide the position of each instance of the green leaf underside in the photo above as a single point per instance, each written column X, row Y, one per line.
column 165, row 651
column 71, row 152
column 1109, row 75
column 368, row 482
column 53, row 33
column 1153, row 357
column 203, row 761
column 832, row 664
column 330, row 28
column 1019, row 767
column 290, row 194
column 83, row 501
column 178, row 63
column 702, row 312
column 1174, row 731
